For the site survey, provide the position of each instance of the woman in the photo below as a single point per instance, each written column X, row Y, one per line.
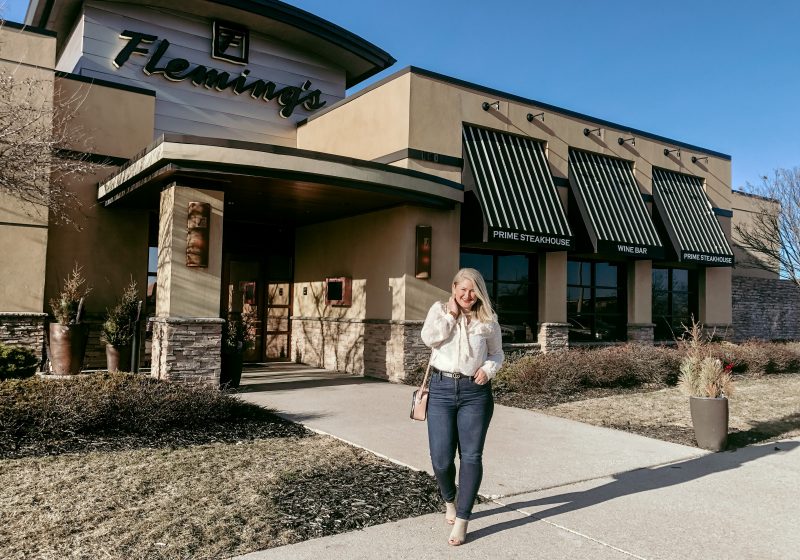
column 467, row 352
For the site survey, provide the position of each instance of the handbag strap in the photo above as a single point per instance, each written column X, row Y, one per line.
column 427, row 371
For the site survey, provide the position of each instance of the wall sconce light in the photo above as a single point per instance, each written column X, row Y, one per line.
column 531, row 116
column 677, row 151
column 197, row 234
column 587, row 132
column 695, row 159
column 622, row 140
column 493, row 105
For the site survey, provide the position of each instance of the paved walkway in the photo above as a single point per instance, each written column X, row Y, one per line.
column 559, row 489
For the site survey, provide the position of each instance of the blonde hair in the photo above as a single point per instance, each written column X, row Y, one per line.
column 483, row 307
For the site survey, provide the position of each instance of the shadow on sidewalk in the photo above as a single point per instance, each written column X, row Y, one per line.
column 632, row 482
column 287, row 383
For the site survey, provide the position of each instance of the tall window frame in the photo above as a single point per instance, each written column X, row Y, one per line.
column 596, row 301
column 675, row 301
column 512, row 283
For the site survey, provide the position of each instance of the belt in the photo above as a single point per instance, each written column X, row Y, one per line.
column 455, row 375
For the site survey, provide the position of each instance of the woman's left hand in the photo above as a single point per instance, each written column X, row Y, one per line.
column 480, row 377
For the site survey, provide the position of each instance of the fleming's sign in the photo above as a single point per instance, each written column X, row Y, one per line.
column 229, row 43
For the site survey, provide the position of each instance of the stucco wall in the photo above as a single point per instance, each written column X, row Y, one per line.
column 745, row 208
column 110, row 244
column 370, row 125
column 375, row 250
column 29, row 59
column 765, row 308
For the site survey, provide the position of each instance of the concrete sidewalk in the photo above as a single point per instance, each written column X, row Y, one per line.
column 560, row 489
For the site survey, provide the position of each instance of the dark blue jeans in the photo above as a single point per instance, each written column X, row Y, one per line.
column 459, row 412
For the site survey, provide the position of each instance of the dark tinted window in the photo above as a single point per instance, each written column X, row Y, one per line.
column 511, row 283
column 595, row 301
column 674, row 301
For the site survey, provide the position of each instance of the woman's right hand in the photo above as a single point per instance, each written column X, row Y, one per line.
column 452, row 307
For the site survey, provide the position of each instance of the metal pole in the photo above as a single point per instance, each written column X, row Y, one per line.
column 135, row 342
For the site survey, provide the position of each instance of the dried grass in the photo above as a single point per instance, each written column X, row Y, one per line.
column 763, row 408
column 207, row 501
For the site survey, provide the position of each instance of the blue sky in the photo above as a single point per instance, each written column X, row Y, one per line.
column 722, row 75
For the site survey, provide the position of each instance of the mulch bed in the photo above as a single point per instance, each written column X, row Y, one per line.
column 339, row 500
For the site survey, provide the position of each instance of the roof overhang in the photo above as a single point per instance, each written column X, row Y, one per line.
column 302, row 185
column 359, row 58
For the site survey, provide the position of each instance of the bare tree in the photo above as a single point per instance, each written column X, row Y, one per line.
column 772, row 235
column 35, row 126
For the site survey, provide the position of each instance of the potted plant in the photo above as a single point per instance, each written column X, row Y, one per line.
column 709, row 383
column 68, row 335
column 237, row 336
column 119, row 328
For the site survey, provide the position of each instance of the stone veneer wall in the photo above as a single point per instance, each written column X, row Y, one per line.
column 187, row 349
column 23, row 329
column 642, row 333
column 765, row 308
column 373, row 347
column 553, row 336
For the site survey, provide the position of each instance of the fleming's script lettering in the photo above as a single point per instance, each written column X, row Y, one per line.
column 180, row 69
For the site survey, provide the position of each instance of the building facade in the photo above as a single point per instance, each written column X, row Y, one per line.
column 233, row 177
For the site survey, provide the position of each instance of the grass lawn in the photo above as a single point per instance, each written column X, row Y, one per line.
column 762, row 408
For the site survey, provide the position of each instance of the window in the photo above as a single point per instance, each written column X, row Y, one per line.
column 596, row 301
column 152, row 266
column 674, row 301
column 511, row 282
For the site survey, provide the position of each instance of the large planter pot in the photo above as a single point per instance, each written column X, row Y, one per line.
column 118, row 358
column 232, row 363
column 67, row 348
column 710, row 421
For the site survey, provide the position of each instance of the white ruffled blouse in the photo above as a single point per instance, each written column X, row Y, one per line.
column 459, row 347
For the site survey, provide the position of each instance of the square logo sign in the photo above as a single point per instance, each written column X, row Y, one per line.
column 230, row 42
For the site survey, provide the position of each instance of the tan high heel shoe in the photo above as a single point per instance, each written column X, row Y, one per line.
column 450, row 514
column 459, row 533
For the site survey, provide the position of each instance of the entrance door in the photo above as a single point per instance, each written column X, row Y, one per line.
column 244, row 302
column 277, row 322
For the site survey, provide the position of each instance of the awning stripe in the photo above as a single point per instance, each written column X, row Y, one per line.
column 515, row 188
column 612, row 203
column 689, row 218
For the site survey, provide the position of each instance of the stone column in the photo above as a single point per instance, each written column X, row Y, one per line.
column 23, row 329
column 553, row 326
column 187, row 329
column 716, row 314
column 187, row 349
column 640, row 302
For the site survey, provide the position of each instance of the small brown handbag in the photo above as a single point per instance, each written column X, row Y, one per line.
column 419, row 400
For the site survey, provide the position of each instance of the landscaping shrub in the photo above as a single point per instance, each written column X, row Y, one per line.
column 111, row 405
column 16, row 362
column 758, row 358
column 566, row 373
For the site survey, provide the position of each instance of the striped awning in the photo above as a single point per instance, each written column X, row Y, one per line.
column 689, row 219
column 516, row 191
column 611, row 206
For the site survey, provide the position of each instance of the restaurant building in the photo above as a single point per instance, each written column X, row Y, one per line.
column 233, row 176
